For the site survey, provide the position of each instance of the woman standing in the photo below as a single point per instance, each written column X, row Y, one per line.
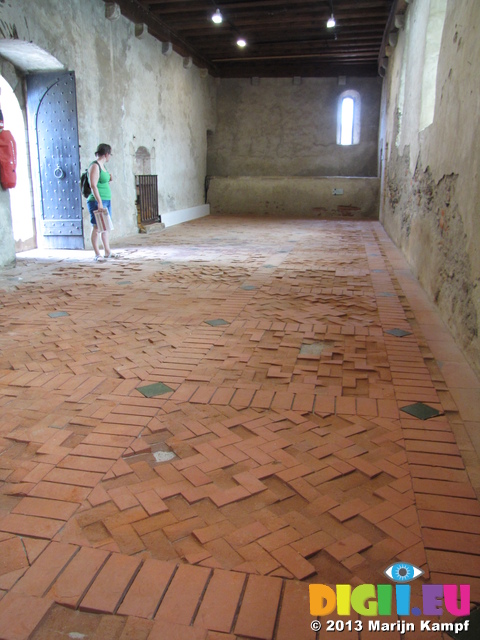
column 100, row 199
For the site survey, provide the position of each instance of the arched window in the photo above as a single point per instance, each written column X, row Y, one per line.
column 433, row 40
column 348, row 118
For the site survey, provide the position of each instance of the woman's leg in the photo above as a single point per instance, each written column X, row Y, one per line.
column 95, row 236
column 106, row 243
column 106, row 234
column 95, row 240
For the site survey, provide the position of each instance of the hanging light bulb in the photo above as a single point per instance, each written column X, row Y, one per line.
column 217, row 17
column 331, row 22
column 241, row 42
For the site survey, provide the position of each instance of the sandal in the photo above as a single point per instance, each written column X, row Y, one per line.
column 111, row 255
column 99, row 259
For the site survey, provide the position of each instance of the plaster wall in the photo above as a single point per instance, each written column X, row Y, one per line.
column 129, row 95
column 278, row 128
column 7, row 241
column 431, row 186
column 354, row 198
column 274, row 149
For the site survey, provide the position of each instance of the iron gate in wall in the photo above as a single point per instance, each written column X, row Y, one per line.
column 147, row 199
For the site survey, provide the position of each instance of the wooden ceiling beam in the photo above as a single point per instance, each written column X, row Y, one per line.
column 288, row 33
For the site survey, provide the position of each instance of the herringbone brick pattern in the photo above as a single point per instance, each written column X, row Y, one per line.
column 192, row 434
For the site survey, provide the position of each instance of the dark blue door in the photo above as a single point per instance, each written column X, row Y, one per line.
column 53, row 134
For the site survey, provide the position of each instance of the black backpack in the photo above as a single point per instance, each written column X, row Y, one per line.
column 85, row 182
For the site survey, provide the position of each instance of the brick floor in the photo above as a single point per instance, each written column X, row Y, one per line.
column 274, row 453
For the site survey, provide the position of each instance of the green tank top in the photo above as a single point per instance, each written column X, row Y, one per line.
column 103, row 186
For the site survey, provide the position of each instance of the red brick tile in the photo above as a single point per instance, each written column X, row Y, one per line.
column 279, row 538
column 295, row 619
column 20, row 615
column 13, row 555
column 423, row 446
column 448, row 504
column 345, row 405
column 398, row 532
column 183, row 595
column 246, row 535
column 221, row 498
column 402, row 500
column 126, row 539
column 224, row 555
column 163, row 629
column 294, row 562
column 98, row 496
column 439, row 487
column 147, row 590
column 214, row 531
column 459, row 564
column 320, row 505
column 348, row 546
column 250, row 482
column 73, row 582
column 312, row 544
column 151, row 502
column 449, row 521
column 258, row 612
column 196, row 476
column 348, row 509
column 96, row 451
column 45, row 569
column 136, row 629
column 220, row 602
column 431, row 459
column 31, row 526
column 56, row 491
column 179, row 530
column 38, row 473
column 46, row 508
column 449, row 540
column 74, row 477
column 123, row 498
column 110, row 585
column 262, row 399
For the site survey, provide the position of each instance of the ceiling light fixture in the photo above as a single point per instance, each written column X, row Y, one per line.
column 331, row 22
column 241, row 42
column 217, row 17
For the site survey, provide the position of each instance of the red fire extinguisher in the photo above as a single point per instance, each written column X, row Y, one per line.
column 8, row 157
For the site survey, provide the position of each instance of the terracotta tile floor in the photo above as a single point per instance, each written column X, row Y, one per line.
column 193, row 433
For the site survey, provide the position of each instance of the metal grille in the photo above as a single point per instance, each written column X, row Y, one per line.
column 147, row 199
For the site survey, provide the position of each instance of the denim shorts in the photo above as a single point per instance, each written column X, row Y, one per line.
column 93, row 206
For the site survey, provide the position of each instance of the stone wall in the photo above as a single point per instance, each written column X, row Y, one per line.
column 129, row 95
column 326, row 198
column 430, row 140
column 275, row 151
column 279, row 128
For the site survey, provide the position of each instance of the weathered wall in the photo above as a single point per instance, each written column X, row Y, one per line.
column 354, row 198
column 275, row 151
column 278, row 128
column 7, row 242
column 128, row 94
column 431, row 186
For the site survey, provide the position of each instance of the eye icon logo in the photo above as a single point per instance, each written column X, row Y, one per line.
column 402, row 572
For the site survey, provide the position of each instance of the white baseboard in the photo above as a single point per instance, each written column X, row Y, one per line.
column 171, row 218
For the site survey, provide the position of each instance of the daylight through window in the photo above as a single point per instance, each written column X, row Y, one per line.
column 346, row 137
column 348, row 118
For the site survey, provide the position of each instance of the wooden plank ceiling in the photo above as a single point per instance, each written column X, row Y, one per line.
column 283, row 38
